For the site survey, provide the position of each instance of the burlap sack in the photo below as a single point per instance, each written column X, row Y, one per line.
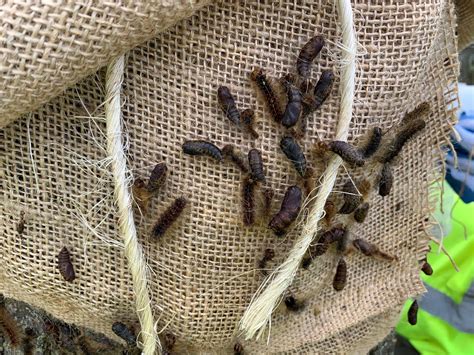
column 202, row 275
column 48, row 46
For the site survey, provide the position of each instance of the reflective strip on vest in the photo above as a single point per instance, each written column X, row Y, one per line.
column 460, row 316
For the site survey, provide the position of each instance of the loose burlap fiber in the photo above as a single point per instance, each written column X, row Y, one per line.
column 202, row 275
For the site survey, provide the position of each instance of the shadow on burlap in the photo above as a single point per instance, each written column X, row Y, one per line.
column 203, row 274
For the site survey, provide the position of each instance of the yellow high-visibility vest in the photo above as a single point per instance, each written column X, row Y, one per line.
column 446, row 314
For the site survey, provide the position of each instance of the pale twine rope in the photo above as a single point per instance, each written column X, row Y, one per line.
column 258, row 314
column 132, row 249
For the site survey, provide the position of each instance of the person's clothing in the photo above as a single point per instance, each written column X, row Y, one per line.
column 461, row 178
column 446, row 312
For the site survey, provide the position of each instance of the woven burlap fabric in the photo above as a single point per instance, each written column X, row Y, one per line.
column 202, row 275
column 48, row 46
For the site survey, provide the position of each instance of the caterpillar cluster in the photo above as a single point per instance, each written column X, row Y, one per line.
column 290, row 100
column 378, row 152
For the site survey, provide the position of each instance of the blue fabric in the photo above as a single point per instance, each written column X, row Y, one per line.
column 461, row 179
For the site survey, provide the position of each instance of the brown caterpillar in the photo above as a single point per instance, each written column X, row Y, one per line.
column 200, row 147
column 320, row 93
column 65, row 265
column 124, row 332
column 157, row 177
column 352, row 199
column 426, row 268
column 386, row 180
column 404, row 135
column 340, row 277
column 293, row 106
column 289, row 210
column 259, row 77
column 256, row 165
column 169, row 341
column 307, row 54
column 9, row 326
column 369, row 249
column 234, row 155
column 294, row 153
column 294, row 305
column 268, row 255
column 421, row 109
column 347, row 152
column 238, row 349
column 322, row 246
column 248, row 121
column 373, row 143
column 360, row 214
column 168, row 217
column 413, row 313
column 20, row 227
column 248, row 201
column 227, row 103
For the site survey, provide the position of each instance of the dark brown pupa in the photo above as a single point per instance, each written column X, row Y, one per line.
column 386, row 180
column 293, row 305
column 369, row 249
column 322, row 89
column 426, row 268
column 247, row 117
column 373, row 143
column 311, row 102
column 293, row 107
column 352, row 198
column 227, row 103
column 307, row 54
column 235, row 156
column 65, row 265
column 256, row 165
column 124, row 332
column 409, row 130
column 268, row 255
column 413, row 313
column 340, row 277
column 317, row 249
column 290, row 207
column 168, row 217
column 200, row 147
column 248, row 201
column 321, row 247
column 20, row 227
column 265, row 87
column 360, row 214
column 157, row 177
column 294, row 153
column 347, row 152
column 238, row 349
